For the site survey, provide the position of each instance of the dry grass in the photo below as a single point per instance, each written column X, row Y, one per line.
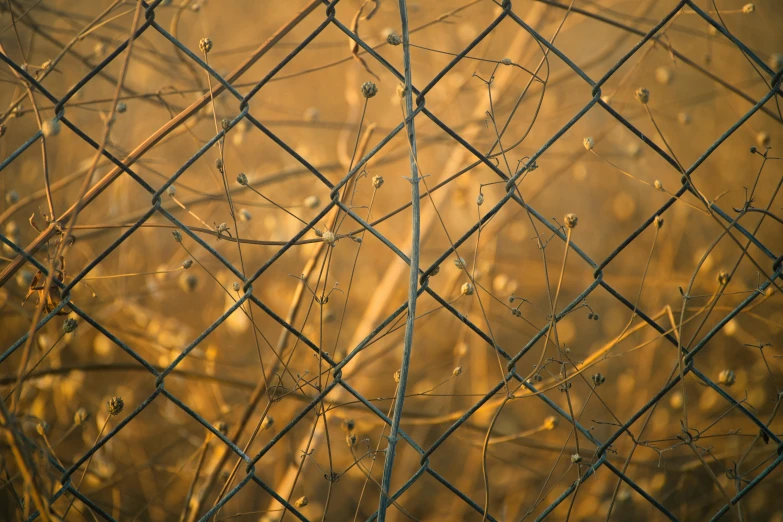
column 521, row 283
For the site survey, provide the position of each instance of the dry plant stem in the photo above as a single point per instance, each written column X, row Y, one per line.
column 202, row 457
column 87, row 465
column 26, row 466
column 156, row 137
column 44, row 161
column 413, row 279
column 77, row 207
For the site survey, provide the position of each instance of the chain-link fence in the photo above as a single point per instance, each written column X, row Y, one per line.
column 231, row 462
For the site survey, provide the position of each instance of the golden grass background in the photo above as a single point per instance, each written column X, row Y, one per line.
column 157, row 467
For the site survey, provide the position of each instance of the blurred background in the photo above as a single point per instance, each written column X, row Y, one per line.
column 583, row 340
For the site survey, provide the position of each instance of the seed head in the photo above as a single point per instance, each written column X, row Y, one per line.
column 369, row 89
column 42, row 427
column 329, row 237
column 393, row 39
column 397, row 376
column 550, row 423
column 748, row 8
column 301, row 502
column 11, row 197
column 643, row 95
column 350, row 439
column 50, row 128
column 401, row 90
column 219, row 164
column 468, row 289
column 115, row 405
column 570, row 220
column 267, row 423
column 658, row 222
column 121, row 107
column 576, row 458
column 69, row 325
column 480, row 199
column 457, row 371
column 723, row 278
column 727, row 377
column 205, row 44
column 242, row 179
column 171, row 191
column 80, row 416
column 224, row 123
column 459, row 263
column 377, row 181
column 312, row 201
column 348, row 425
column 588, row 143
column 507, row 61
column 187, row 264
column 596, row 317
column 177, row 236
column 658, row 185
column 245, row 215
column 762, row 139
column 235, row 286
column 598, row 379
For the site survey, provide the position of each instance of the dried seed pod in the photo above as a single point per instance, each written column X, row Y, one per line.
column 205, row 45
column 748, row 8
column 658, row 221
column 377, row 181
column 507, row 61
column 187, row 263
column 69, row 325
column 643, row 95
column 121, row 107
column 480, row 199
column 576, row 458
column 571, row 220
column 242, row 178
column 301, row 502
column 457, row 371
column 393, row 39
column 235, row 286
column 397, row 376
column 177, row 236
column 589, row 143
column 80, row 416
column 171, row 191
column 329, row 237
column 727, row 377
column 267, row 423
column 459, row 263
column 115, row 405
column 369, row 89
column 225, row 123
column 598, row 379
column 658, row 185
column 723, row 278
column 468, row 289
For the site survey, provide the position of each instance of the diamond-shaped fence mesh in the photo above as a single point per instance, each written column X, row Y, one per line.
column 208, row 313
